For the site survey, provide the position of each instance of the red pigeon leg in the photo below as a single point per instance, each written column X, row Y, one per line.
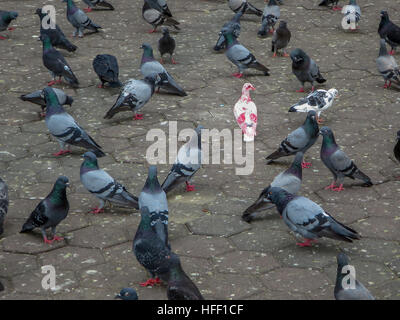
column 331, row 186
column 150, row 282
column 340, row 188
column 300, row 90
column 306, row 243
column 61, row 152
column 138, row 116
column 189, row 187
column 88, row 9
column 55, row 238
column 11, row 29
column 96, row 210
column 305, row 165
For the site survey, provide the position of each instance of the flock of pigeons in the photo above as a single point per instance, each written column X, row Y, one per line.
column 151, row 245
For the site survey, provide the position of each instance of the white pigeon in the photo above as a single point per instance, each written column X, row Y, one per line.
column 245, row 112
column 352, row 13
column 318, row 101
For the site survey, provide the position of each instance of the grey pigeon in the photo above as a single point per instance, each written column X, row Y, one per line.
column 270, row 16
column 150, row 245
column 79, row 19
column 334, row 3
column 106, row 68
column 308, row 219
column 160, row 5
column 237, row 5
column 305, row 69
column 352, row 13
column 166, row 44
column 396, row 149
column 187, row 163
column 64, row 127
column 280, row 39
column 3, row 203
column 389, row 31
column 180, row 287
column 5, row 19
column 299, row 140
column 127, row 294
column 359, row 292
column 149, row 66
column 103, row 186
column 289, row 180
column 240, row 56
column 55, row 62
column 57, row 37
column 387, row 66
column 37, row 97
column 157, row 18
column 135, row 94
column 50, row 211
column 97, row 3
column 338, row 162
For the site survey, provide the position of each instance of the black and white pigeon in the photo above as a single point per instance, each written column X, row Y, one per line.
column 57, row 37
column 299, row 140
column 166, row 44
column 357, row 292
column 338, row 162
column 271, row 15
column 103, row 186
column 289, row 180
column 157, row 18
column 150, row 245
column 334, row 3
column 305, row 69
column 50, row 211
column 64, row 127
column 149, row 66
column 387, row 66
column 352, row 13
column 389, row 31
column 127, row 294
column 319, row 100
column 160, row 5
column 187, row 163
column 237, row 5
column 5, row 19
column 232, row 25
column 37, row 97
column 280, row 39
column 3, row 203
column 55, row 62
column 135, row 94
column 396, row 149
column 79, row 19
column 180, row 287
column 240, row 56
column 103, row 4
column 308, row 219
column 106, row 68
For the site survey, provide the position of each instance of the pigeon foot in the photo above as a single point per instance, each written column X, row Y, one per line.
column 61, row 152
column 138, row 117
column 88, row 9
column 96, row 210
column 306, row 243
column 306, row 165
column 55, row 238
column 338, row 189
column 238, row 75
column 189, row 187
column 331, row 186
column 300, row 90
column 151, row 282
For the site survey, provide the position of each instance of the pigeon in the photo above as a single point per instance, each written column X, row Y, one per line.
column 270, row 16
column 300, row 139
column 37, row 97
column 308, row 219
column 54, row 61
column 232, row 25
column 5, row 19
column 319, row 100
column 135, row 94
column 106, row 68
column 64, row 127
column 338, row 162
column 241, row 56
column 289, row 180
column 57, row 37
column 3, row 203
column 166, row 44
column 50, row 211
column 357, row 293
column 127, row 294
column 334, row 4
column 150, row 245
column 94, row 3
column 305, row 69
column 280, row 39
column 352, row 12
column 396, row 149
column 187, row 163
column 237, row 5
column 389, row 31
column 149, row 66
column 160, row 5
column 180, row 287
column 103, row 186
column 387, row 66
column 245, row 112
column 157, row 18
column 79, row 19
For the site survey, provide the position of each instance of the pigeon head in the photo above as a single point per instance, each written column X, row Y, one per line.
column 157, row 79
column 147, row 50
column 152, row 184
column 89, row 162
column 342, row 260
column 59, row 193
column 62, row 181
column 282, row 24
column 384, row 15
column 127, row 294
column 247, row 87
column 9, row 16
column 40, row 13
column 13, row 15
column 311, row 121
column 198, row 129
column 326, row 132
column 333, row 92
column 279, row 197
column 165, row 31
column 298, row 56
column 90, row 156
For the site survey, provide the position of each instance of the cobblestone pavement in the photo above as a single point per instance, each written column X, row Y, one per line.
column 226, row 258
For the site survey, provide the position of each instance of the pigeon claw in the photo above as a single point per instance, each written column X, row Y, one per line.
column 96, row 210
column 152, row 31
column 189, row 187
column 55, row 238
column 300, row 90
column 3, row 38
column 151, row 282
column 138, row 117
column 61, row 152
column 336, row 8
column 306, row 165
column 306, row 243
column 11, row 29
column 51, row 83
column 331, row 186
column 238, row 75
column 173, row 61
column 338, row 189
column 88, row 9
column 101, row 86
column 47, row 240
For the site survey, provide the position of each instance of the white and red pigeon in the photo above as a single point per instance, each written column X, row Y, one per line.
column 245, row 112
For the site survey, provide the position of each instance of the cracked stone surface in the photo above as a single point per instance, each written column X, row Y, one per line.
column 226, row 257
